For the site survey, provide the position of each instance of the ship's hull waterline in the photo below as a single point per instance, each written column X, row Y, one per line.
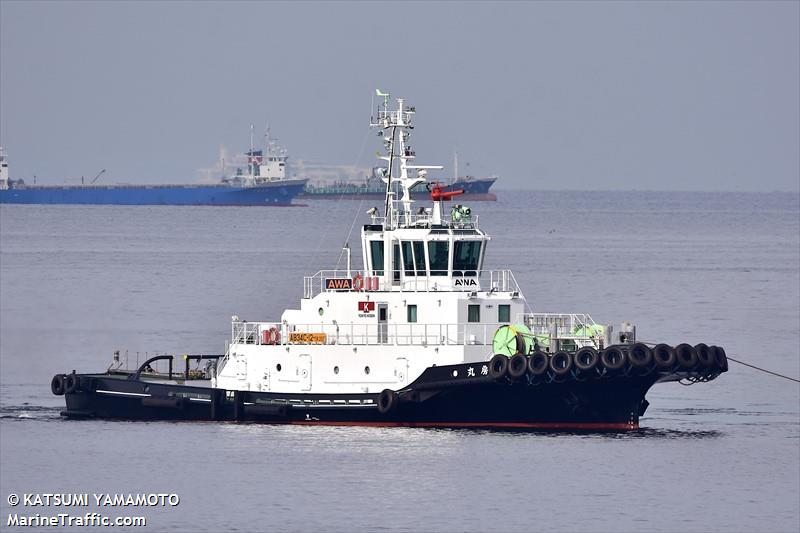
column 276, row 194
column 437, row 399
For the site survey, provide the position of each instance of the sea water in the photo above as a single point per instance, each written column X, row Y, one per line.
column 77, row 283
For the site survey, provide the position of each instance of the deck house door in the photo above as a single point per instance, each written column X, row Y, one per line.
column 383, row 323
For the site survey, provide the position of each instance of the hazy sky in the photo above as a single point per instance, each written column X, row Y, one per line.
column 598, row 95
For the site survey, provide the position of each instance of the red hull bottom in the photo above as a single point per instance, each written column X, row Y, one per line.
column 578, row 426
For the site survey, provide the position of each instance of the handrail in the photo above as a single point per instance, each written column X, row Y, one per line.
column 405, row 334
column 200, row 357
column 139, row 371
column 502, row 280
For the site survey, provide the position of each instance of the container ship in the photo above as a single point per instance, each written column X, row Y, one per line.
column 263, row 183
column 419, row 334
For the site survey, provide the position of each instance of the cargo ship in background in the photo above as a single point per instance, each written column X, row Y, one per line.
column 345, row 182
column 263, row 183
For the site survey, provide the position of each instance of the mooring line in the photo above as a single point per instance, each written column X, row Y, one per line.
column 745, row 364
column 763, row 370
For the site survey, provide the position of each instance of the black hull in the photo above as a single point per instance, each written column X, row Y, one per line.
column 436, row 399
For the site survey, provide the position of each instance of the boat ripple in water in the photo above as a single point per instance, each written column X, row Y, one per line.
column 33, row 412
column 420, row 335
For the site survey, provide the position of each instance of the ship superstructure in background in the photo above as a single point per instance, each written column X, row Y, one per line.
column 475, row 189
column 4, row 177
column 420, row 335
column 261, row 169
column 343, row 182
column 264, row 183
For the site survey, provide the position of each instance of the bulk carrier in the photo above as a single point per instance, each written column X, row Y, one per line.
column 420, row 334
column 263, row 183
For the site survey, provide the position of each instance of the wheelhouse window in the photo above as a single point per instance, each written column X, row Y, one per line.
column 376, row 251
column 419, row 257
column 504, row 313
column 466, row 256
column 473, row 313
column 408, row 259
column 412, row 313
column 438, row 255
column 396, row 262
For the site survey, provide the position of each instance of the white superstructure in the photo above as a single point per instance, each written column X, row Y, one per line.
column 263, row 165
column 421, row 297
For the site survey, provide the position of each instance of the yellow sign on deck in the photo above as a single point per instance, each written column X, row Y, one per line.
column 306, row 338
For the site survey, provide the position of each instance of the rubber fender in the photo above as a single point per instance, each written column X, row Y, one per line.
column 664, row 356
column 171, row 402
column 387, row 401
column 720, row 358
column 71, row 383
column 586, row 358
column 517, row 366
column 498, row 366
column 704, row 355
column 687, row 356
column 640, row 355
column 561, row 363
column 613, row 358
column 538, row 363
column 57, row 384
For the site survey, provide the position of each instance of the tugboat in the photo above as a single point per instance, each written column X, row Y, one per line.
column 420, row 335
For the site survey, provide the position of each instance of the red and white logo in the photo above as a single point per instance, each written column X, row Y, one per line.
column 366, row 307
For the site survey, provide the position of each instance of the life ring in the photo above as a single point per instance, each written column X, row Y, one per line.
column 538, row 363
column 640, row 355
column 358, row 282
column 498, row 366
column 387, row 401
column 71, row 383
column 687, row 356
column 517, row 366
column 586, row 359
column 561, row 363
column 57, row 385
column 704, row 355
column 664, row 356
column 274, row 335
column 613, row 358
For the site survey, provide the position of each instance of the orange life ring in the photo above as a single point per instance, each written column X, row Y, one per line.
column 358, row 282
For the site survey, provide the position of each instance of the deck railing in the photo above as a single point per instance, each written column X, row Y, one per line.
column 425, row 220
column 572, row 329
column 498, row 280
column 413, row 334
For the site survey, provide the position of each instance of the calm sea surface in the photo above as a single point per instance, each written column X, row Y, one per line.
column 77, row 283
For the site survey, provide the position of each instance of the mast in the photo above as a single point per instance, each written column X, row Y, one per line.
column 250, row 159
column 395, row 129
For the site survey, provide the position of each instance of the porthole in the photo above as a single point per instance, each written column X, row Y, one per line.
column 366, row 370
column 336, row 370
column 278, row 367
column 321, row 311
